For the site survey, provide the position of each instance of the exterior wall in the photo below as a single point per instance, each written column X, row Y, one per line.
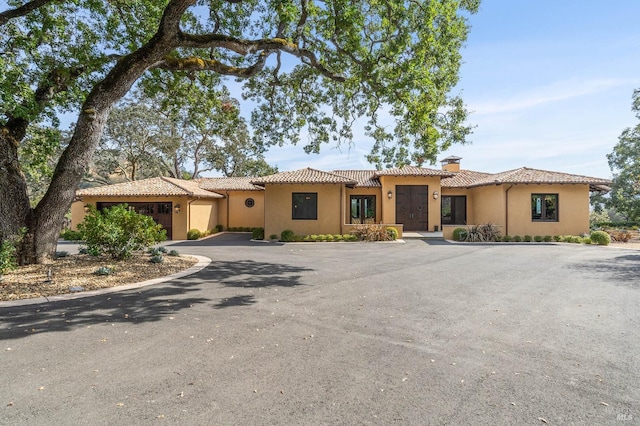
column 362, row 191
column 573, row 210
column 509, row 208
column 234, row 213
column 180, row 221
column 203, row 215
column 278, row 209
column 389, row 205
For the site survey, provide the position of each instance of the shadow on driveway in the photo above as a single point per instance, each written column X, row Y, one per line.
column 624, row 269
column 232, row 239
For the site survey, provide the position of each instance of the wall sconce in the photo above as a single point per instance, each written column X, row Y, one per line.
column 435, row 195
column 177, row 208
column 389, row 194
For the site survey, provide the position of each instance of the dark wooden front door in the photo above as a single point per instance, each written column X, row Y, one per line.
column 412, row 207
column 160, row 212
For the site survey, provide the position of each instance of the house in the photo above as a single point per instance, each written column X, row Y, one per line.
column 523, row 201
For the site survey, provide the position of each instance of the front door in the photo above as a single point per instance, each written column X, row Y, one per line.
column 412, row 207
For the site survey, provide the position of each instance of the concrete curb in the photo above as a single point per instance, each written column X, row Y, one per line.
column 202, row 263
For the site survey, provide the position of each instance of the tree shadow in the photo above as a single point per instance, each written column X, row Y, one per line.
column 234, row 239
column 624, row 269
column 152, row 303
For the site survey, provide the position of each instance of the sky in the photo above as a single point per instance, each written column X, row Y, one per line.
column 548, row 84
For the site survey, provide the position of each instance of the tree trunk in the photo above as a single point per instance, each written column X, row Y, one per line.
column 45, row 221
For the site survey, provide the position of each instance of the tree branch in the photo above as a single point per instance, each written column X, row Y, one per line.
column 23, row 10
column 198, row 64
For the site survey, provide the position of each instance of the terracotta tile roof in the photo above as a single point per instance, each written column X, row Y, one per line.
column 228, row 184
column 413, row 171
column 307, row 175
column 463, row 179
column 523, row 175
column 158, row 186
column 365, row 178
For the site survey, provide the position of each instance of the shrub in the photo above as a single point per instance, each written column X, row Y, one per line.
column 507, row 238
column 517, row 238
column 527, row 238
column 459, row 234
column 118, row 231
column 586, row 240
column 193, row 234
column 313, row 237
column 620, row 235
column 557, row 238
column 273, row 237
column 7, row 257
column 393, row 233
column 538, row 238
column 574, row 239
column 157, row 258
column 257, row 233
column 371, row 232
column 328, row 237
column 287, row 236
column 162, row 249
column 297, row 238
column 70, row 235
column 547, row 238
column 601, row 238
column 153, row 251
column 173, row 253
column 338, row 237
column 219, row 228
column 482, row 233
column 103, row 270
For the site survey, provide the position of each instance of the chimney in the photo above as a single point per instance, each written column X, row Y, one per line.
column 451, row 164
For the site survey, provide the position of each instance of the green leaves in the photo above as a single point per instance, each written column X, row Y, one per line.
column 119, row 231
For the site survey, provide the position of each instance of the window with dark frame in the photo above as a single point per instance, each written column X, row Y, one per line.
column 453, row 209
column 304, row 206
column 544, row 207
column 363, row 209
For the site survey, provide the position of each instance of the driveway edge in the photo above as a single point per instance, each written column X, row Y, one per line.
column 202, row 263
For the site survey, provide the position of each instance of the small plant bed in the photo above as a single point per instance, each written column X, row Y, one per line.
column 82, row 272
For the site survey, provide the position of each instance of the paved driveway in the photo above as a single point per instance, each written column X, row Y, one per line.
column 415, row 333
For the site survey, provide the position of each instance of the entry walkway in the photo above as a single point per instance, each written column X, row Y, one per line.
column 416, row 234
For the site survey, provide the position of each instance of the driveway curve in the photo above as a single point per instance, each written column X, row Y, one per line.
column 340, row 333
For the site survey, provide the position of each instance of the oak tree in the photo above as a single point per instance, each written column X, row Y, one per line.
column 311, row 67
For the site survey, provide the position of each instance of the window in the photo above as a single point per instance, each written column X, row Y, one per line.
column 544, row 207
column 304, row 206
column 249, row 202
column 453, row 210
column 363, row 209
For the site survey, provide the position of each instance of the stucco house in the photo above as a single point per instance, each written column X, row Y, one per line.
column 523, row 201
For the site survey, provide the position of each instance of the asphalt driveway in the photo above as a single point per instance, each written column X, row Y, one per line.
column 340, row 333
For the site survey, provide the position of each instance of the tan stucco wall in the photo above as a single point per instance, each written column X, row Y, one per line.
column 389, row 205
column 233, row 213
column 203, row 214
column 489, row 205
column 179, row 220
column 573, row 210
column 278, row 209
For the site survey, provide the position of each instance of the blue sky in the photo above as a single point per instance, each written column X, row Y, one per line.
column 549, row 84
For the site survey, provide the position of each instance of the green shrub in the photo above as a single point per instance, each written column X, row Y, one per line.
column 601, row 238
column 547, row 238
column 527, row 238
column 517, row 239
column 482, row 233
column 173, row 253
column 586, row 240
column 273, row 237
column 507, row 238
column 118, row 231
column 459, row 234
column 219, row 228
column 297, row 238
column 538, row 238
column 7, row 257
column 557, row 238
column 575, row 239
column 321, row 237
column 393, row 233
column 103, row 270
column 194, row 234
column 328, row 237
column 153, row 251
column 287, row 236
column 156, row 258
column 338, row 237
column 257, row 233
column 70, row 235
column 162, row 249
